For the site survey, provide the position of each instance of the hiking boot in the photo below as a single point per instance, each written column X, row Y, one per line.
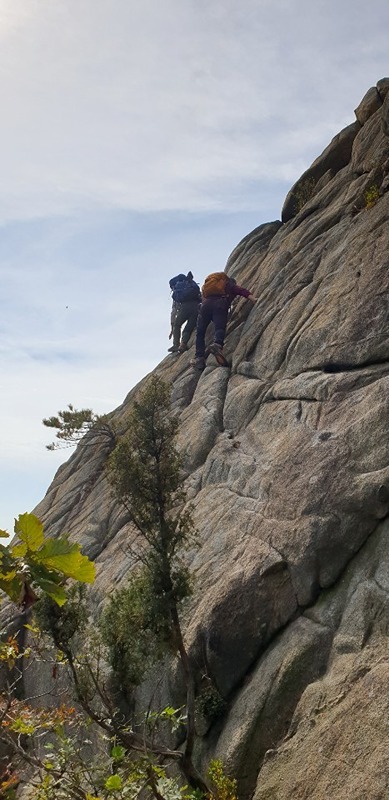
column 217, row 351
column 198, row 363
column 183, row 348
column 173, row 349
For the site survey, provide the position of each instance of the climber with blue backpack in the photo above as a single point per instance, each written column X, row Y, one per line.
column 186, row 300
column 218, row 292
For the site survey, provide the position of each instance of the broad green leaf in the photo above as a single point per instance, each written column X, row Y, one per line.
column 49, row 581
column 4, row 534
column 6, row 557
column 65, row 557
column 8, row 576
column 12, row 588
column 57, row 593
column 30, row 530
column 40, row 571
column 113, row 782
column 19, row 550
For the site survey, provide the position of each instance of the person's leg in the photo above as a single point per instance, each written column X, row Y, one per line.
column 220, row 317
column 192, row 314
column 181, row 317
column 203, row 320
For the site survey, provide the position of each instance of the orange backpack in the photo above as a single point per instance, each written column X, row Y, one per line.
column 215, row 284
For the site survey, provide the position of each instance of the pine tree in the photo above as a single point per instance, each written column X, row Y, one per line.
column 146, row 472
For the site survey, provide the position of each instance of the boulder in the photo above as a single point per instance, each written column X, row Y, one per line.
column 368, row 105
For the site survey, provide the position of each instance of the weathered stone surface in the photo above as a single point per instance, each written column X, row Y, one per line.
column 287, row 465
column 250, row 248
column 262, row 710
column 334, row 157
column 370, row 103
column 338, row 740
column 196, row 440
column 383, row 87
column 371, row 147
column 337, row 154
column 238, row 619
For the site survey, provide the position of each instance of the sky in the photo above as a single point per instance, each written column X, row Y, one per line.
column 139, row 139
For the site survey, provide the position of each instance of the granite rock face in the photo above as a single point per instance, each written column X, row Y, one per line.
column 286, row 459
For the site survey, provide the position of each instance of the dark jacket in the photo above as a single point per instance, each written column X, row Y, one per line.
column 232, row 291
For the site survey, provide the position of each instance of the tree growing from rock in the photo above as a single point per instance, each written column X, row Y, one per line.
column 73, row 424
column 146, row 472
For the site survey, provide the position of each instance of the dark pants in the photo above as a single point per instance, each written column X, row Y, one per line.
column 213, row 309
column 186, row 312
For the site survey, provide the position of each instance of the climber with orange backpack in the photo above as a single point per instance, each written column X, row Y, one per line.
column 218, row 292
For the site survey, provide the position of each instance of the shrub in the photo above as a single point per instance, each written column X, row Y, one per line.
column 210, row 704
column 372, row 195
column 303, row 193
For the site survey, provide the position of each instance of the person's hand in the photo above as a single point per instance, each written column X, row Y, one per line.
column 252, row 298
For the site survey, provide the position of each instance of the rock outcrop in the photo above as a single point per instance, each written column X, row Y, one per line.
column 287, row 463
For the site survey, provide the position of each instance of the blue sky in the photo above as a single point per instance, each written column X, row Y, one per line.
column 140, row 139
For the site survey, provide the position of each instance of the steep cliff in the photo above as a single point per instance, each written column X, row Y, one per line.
column 287, row 464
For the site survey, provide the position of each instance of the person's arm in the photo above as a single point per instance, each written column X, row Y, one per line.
column 242, row 292
column 172, row 318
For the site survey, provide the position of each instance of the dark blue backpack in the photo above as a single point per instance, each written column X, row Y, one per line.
column 184, row 289
column 173, row 281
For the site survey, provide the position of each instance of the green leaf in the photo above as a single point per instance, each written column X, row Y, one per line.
column 19, row 725
column 39, row 571
column 49, row 581
column 8, row 576
column 29, row 528
column 19, row 550
column 57, row 593
column 66, row 558
column 33, row 629
column 169, row 711
column 113, row 782
column 118, row 752
column 12, row 587
column 6, row 560
column 4, row 534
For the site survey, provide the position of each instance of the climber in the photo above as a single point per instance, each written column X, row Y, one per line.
column 186, row 300
column 218, row 292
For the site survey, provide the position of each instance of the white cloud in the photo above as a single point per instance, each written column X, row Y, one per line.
column 168, row 105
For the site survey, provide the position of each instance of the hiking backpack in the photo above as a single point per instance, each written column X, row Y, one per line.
column 176, row 279
column 184, row 289
column 215, row 284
